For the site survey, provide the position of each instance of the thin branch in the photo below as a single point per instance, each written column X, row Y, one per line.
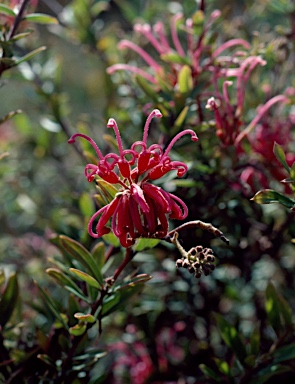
column 18, row 19
column 128, row 258
column 199, row 224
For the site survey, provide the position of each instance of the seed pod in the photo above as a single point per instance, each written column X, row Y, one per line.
column 198, row 274
column 185, row 263
column 179, row 263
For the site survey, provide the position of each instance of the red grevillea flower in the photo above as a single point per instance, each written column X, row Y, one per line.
column 140, row 208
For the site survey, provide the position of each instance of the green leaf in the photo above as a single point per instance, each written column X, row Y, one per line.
column 86, row 205
column 185, row 80
column 210, row 373
column 51, row 305
column 78, row 329
column 122, row 293
column 269, row 372
column 223, row 367
column 4, row 9
column 29, row 55
column 81, row 254
column 280, row 155
column 107, row 189
column 130, row 282
column 8, row 299
column 66, row 282
column 175, row 58
column 278, row 311
column 88, row 318
column 2, row 277
column 73, row 307
column 47, row 360
column 98, row 253
column 144, row 243
column 285, row 353
column 268, row 196
column 286, row 311
column 231, row 337
column 272, row 308
column 20, row 36
column 147, row 89
column 40, row 18
column 110, row 238
column 181, row 118
column 85, row 277
column 110, row 303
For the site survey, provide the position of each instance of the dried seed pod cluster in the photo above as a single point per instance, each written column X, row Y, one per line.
column 198, row 260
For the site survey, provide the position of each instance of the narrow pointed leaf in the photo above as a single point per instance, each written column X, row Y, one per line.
column 85, row 277
column 51, row 305
column 232, row 339
column 268, row 196
column 110, row 238
column 272, row 307
column 5, row 10
column 108, row 189
column 8, row 299
column 81, row 254
column 120, row 298
column 185, row 80
column 20, row 36
column 285, row 353
column 88, row 318
column 86, row 205
column 147, row 89
column 2, row 277
column 144, row 243
column 46, row 359
column 286, row 311
column 78, row 330
column 98, row 253
column 66, row 282
column 40, row 18
column 29, row 55
column 280, row 155
column 128, row 282
column 208, row 372
column 175, row 58
column 181, row 117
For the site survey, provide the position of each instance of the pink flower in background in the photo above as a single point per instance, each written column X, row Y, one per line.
column 229, row 112
column 273, row 130
column 132, row 360
column 140, row 208
column 195, row 52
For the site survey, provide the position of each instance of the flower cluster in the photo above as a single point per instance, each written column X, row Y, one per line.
column 270, row 130
column 196, row 54
column 231, row 127
column 140, row 208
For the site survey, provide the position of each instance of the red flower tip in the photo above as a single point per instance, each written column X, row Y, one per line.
column 140, row 209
